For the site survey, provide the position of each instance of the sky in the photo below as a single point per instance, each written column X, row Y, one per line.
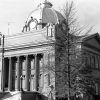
column 13, row 13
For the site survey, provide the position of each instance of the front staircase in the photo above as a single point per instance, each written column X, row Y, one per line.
column 22, row 95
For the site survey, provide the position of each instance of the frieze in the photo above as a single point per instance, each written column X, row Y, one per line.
column 29, row 51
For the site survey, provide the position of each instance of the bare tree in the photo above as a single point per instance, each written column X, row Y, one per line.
column 69, row 59
column 69, row 52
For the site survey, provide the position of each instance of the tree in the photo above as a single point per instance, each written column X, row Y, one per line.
column 69, row 54
column 69, row 59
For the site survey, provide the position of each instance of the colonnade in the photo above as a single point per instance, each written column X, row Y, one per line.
column 13, row 71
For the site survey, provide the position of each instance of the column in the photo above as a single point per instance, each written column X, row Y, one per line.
column 27, row 73
column 41, row 72
column 2, row 75
column 98, row 62
column 18, row 73
column 10, row 74
column 36, row 73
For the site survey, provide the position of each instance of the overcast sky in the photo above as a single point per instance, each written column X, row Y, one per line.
column 15, row 12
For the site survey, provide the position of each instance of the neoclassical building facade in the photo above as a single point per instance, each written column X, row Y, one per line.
column 25, row 57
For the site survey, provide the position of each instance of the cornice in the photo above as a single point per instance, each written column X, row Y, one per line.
column 29, row 45
column 29, row 51
column 23, row 40
column 35, row 32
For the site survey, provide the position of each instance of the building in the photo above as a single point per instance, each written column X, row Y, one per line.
column 25, row 58
column 26, row 53
column 91, row 50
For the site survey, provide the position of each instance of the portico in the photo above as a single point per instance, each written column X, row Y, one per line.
column 25, row 67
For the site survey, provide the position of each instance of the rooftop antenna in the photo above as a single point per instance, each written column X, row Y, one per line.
column 9, row 23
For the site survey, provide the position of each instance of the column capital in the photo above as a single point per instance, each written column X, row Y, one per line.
column 42, row 54
column 26, row 55
column 17, row 57
column 35, row 54
column 9, row 58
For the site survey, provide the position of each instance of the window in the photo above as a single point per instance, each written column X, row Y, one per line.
column 46, row 58
column 23, row 77
column 15, row 84
column 50, row 30
column 96, row 62
column 96, row 89
column 92, row 61
column 40, row 80
column 49, row 59
column 47, row 79
column 41, row 63
column 23, row 82
column 89, row 60
column 16, row 77
column 32, row 82
column 32, row 76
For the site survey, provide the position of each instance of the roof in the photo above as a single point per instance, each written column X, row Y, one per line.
column 91, row 36
column 93, row 42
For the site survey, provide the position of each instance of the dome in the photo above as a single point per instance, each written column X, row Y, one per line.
column 43, row 15
column 46, row 14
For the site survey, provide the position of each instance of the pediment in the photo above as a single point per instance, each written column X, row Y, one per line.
column 92, row 41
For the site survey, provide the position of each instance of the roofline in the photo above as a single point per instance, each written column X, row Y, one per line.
column 91, row 36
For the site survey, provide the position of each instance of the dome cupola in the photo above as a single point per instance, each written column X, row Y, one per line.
column 41, row 16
